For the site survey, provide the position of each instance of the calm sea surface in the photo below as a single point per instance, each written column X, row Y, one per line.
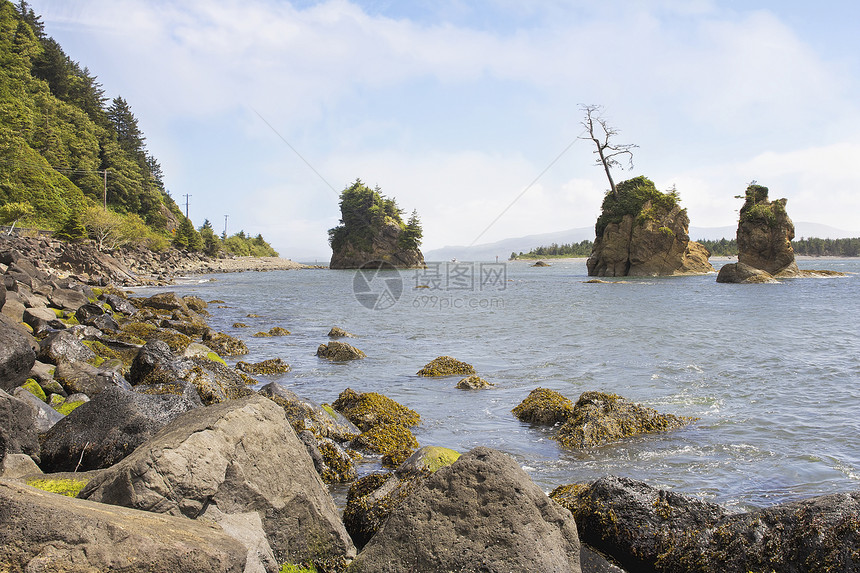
column 771, row 371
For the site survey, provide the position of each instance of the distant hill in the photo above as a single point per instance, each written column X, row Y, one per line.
column 504, row 248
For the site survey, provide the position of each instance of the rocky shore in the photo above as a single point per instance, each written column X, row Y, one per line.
column 127, row 443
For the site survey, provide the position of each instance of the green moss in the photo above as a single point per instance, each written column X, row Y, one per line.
column 667, row 231
column 215, row 358
column 446, row 366
column 67, row 487
column 329, row 409
column 140, row 330
column 67, row 408
column 177, row 341
column 436, row 457
column 290, row 568
column 33, row 387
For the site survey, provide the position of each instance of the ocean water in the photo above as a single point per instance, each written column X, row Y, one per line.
column 771, row 371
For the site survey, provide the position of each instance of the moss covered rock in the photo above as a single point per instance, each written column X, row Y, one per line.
column 69, row 487
column 337, row 332
column 474, row 382
column 224, row 344
column 278, row 331
column 599, row 418
column 386, row 439
column 370, row 409
column 33, row 387
column 446, row 366
column 303, row 414
column 264, row 368
column 544, row 406
column 339, row 351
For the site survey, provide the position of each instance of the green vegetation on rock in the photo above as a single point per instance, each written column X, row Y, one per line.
column 363, row 213
column 371, row 409
column 544, row 406
column 446, row 366
column 630, row 199
column 33, row 388
column 63, row 486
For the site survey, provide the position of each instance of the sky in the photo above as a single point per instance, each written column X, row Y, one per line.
column 470, row 112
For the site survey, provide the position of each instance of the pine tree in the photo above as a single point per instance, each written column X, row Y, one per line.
column 73, row 229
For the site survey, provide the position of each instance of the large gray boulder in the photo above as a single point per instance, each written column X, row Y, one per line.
column 64, row 346
column 651, row 530
column 106, row 429
column 241, row 456
column 44, row 417
column 83, row 378
column 17, row 427
column 42, row 531
column 482, row 513
column 16, row 354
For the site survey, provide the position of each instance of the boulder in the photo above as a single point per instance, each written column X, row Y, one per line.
column 31, row 316
column 304, row 414
column 339, row 351
column 372, row 498
column 168, row 301
column 16, row 354
column 104, row 322
column 106, row 429
column 44, row 417
column 446, row 366
column 18, row 426
column 64, row 346
column 241, row 456
column 643, row 232
column 599, row 418
column 88, row 311
column 13, row 308
column 482, row 513
column 544, row 406
column 395, row 440
column 652, row 530
column 83, row 378
column 264, row 368
column 371, row 409
column 740, row 273
column 119, row 304
column 337, row 332
column 155, row 356
column 68, row 299
column 474, row 382
column 42, row 531
column 16, row 466
column 224, row 344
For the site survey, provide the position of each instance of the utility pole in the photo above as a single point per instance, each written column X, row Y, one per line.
column 186, row 204
column 224, row 236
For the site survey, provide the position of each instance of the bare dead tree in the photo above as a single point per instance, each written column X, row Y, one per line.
column 601, row 134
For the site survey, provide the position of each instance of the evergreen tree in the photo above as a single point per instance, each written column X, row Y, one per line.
column 411, row 236
column 73, row 229
column 211, row 243
column 187, row 237
column 127, row 131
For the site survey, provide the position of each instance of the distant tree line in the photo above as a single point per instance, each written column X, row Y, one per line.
column 572, row 250
column 813, row 247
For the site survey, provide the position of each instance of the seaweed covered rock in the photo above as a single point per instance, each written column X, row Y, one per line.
column 371, row 409
column 43, row 531
column 643, row 232
column 386, row 439
column 332, row 462
column 241, row 456
column 337, row 332
column 544, row 406
column 481, row 513
column 599, row 418
column 339, row 351
column 63, row 346
column 446, row 366
column 264, row 368
column 474, row 382
column 652, row 530
column 106, row 429
column 303, row 414
column 224, row 344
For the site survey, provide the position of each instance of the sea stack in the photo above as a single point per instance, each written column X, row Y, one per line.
column 644, row 232
column 764, row 241
column 372, row 232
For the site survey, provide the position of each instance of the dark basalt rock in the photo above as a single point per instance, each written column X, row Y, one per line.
column 16, row 354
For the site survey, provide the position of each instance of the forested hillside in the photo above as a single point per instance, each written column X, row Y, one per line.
column 59, row 134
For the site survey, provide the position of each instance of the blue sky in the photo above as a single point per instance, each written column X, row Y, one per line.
column 265, row 109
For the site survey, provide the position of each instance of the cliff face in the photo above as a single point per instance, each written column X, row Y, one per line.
column 651, row 240
column 385, row 245
column 764, row 240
